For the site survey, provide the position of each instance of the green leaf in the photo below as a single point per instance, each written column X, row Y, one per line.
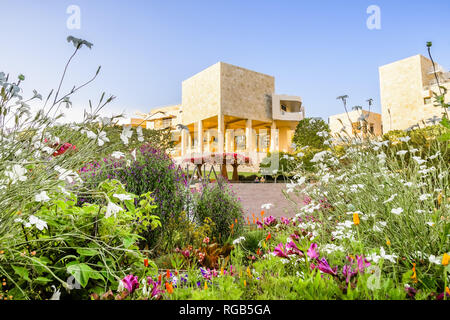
column 129, row 241
column 87, row 252
column 82, row 273
column 444, row 137
column 445, row 122
column 42, row 280
column 22, row 272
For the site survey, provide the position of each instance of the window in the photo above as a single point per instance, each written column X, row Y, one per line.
column 356, row 127
column 283, row 107
column 167, row 122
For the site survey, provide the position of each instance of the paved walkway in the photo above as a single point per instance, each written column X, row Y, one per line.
column 253, row 195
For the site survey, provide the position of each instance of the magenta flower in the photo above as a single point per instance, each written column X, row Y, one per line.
column 325, row 267
column 156, row 287
column 270, row 220
column 131, row 283
column 348, row 273
column 279, row 252
column 293, row 249
column 286, row 221
column 362, row 263
column 312, row 252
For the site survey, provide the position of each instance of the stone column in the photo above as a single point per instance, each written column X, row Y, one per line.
column 248, row 136
column 183, row 142
column 220, row 132
column 208, row 140
column 200, row 136
column 273, row 137
column 229, row 140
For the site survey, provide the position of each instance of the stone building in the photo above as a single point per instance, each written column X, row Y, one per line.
column 406, row 89
column 226, row 108
column 360, row 122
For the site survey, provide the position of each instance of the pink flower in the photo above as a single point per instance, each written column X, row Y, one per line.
column 293, row 249
column 270, row 220
column 279, row 251
column 325, row 267
column 312, row 253
column 285, row 220
column 131, row 283
column 206, row 240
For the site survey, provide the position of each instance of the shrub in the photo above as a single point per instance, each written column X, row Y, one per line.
column 306, row 133
column 218, row 202
column 152, row 171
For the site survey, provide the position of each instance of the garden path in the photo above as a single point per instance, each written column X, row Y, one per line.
column 253, row 195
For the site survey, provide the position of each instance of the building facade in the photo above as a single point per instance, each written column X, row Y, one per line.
column 226, row 108
column 406, row 89
column 360, row 122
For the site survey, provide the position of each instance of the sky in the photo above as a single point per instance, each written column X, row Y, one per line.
column 317, row 50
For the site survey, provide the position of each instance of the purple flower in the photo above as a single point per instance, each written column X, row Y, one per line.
column 270, row 220
column 325, row 267
column 131, row 283
column 279, row 252
column 156, row 287
column 312, row 253
column 293, row 249
column 362, row 263
column 348, row 272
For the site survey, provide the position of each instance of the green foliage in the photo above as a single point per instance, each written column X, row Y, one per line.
column 80, row 241
column 306, row 133
column 220, row 204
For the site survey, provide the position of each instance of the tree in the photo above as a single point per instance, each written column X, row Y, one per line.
column 306, row 133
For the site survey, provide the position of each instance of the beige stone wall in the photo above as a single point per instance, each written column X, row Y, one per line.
column 201, row 95
column 371, row 117
column 402, row 86
column 244, row 93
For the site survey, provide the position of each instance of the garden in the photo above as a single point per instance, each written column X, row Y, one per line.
column 99, row 211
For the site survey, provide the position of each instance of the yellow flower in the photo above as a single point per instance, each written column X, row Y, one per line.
column 249, row 272
column 245, row 283
column 356, row 219
column 206, row 285
column 445, row 259
column 388, row 242
column 439, row 198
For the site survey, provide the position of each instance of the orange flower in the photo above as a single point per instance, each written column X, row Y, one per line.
column 414, row 276
column 159, row 278
column 232, row 226
column 262, row 213
column 445, row 259
column 248, row 220
column 268, row 236
column 146, row 262
column 235, row 220
column 447, row 290
column 168, row 273
column 169, row 288
column 355, row 218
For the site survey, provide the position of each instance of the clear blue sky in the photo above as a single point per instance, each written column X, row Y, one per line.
column 315, row 49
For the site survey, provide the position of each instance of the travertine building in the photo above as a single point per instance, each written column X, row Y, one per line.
column 359, row 122
column 406, row 88
column 226, row 108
